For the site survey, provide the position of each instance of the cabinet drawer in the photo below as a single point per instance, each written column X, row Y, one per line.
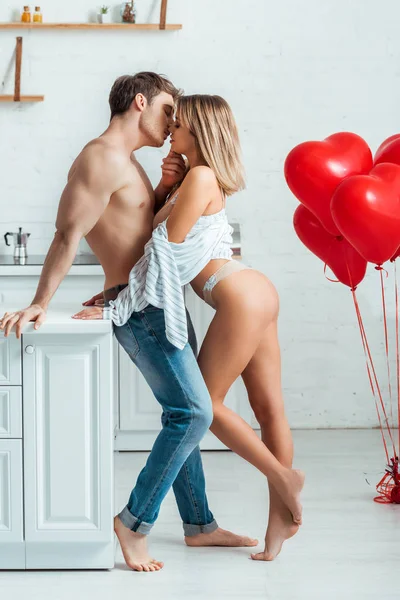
column 10, row 412
column 12, row 547
column 10, row 360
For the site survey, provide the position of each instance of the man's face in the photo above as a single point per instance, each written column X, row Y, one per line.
column 157, row 118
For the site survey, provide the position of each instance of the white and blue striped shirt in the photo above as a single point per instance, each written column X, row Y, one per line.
column 159, row 276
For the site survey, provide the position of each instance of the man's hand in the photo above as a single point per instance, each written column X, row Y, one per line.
column 97, row 300
column 22, row 317
column 173, row 170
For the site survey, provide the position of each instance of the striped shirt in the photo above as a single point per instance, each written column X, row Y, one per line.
column 160, row 274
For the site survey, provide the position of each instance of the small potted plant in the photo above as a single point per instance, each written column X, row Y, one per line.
column 104, row 15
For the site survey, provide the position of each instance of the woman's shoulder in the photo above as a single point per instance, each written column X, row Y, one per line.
column 201, row 175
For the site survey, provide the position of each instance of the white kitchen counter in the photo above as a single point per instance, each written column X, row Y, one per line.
column 59, row 321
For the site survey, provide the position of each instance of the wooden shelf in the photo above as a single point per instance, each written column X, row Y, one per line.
column 17, row 97
column 22, row 99
column 127, row 26
column 162, row 25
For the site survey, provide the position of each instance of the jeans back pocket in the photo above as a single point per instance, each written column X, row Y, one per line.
column 127, row 339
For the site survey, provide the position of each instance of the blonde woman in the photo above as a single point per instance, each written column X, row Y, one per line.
column 242, row 339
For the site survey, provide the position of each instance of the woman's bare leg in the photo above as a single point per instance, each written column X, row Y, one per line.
column 231, row 341
column 262, row 378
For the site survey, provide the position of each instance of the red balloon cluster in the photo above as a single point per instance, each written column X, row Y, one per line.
column 350, row 204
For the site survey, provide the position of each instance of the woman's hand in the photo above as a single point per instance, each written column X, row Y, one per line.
column 89, row 314
column 97, row 300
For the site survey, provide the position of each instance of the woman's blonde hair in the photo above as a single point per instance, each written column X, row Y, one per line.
column 211, row 122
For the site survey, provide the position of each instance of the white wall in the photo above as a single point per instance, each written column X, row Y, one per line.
column 292, row 71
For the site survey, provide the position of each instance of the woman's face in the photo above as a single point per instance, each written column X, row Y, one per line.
column 182, row 140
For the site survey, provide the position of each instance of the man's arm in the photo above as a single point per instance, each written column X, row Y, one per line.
column 194, row 197
column 173, row 171
column 96, row 177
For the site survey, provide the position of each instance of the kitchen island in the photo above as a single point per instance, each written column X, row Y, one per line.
column 56, row 444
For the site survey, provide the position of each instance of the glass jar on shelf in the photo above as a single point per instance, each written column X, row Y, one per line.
column 26, row 15
column 128, row 12
column 37, row 15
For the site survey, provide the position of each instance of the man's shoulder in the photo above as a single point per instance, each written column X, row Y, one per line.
column 101, row 149
column 100, row 157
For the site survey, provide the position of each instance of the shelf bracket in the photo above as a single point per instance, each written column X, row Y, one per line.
column 18, row 64
column 163, row 14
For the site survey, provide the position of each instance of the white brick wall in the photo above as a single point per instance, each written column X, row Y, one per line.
column 292, row 71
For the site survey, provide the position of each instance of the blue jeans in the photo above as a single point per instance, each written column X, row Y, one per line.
column 175, row 460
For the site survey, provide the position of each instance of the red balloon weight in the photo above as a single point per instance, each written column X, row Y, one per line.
column 313, row 170
column 346, row 263
column 395, row 494
column 366, row 209
column 389, row 151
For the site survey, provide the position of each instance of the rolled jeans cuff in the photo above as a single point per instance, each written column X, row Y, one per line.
column 191, row 530
column 134, row 524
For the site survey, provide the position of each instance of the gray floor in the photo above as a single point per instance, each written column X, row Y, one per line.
column 349, row 546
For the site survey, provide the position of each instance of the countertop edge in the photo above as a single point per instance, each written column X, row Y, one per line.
column 59, row 321
column 35, row 270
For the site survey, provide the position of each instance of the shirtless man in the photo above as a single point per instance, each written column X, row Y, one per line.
column 109, row 200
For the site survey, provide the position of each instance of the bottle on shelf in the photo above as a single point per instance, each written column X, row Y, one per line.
column 26, row 15
column 37, row 16
column 128, row 12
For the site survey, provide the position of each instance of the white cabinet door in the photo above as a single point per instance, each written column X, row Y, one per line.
column 12, row 546
column 68, row 451
column 140, row 412
column 10, row 360
column 10, row 412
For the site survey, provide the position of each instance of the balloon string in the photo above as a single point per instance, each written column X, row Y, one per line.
column 367, row 354
column 328, row 278
column 368, row 357
column 377, row 384
column 397, row 351
column 386, row 342
column 380, row 268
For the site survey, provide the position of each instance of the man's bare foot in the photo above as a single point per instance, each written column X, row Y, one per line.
column 289, row 487
column 280, row 529
column 134, row 548
column 220, row 537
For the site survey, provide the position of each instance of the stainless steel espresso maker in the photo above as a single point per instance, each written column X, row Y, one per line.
column 20, row 243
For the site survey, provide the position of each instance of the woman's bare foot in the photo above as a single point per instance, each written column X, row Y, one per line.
column 289, row 487
column 220, row 537
column 280, row 528
column 134, row 548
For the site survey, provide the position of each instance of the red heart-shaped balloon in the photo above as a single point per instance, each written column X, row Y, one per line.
column 346, row 263
column 366, row 209
column 313, row 170
column 389, row 151
column 395, row 255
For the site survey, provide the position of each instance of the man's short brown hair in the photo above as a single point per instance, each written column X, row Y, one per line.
column 149, row 84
